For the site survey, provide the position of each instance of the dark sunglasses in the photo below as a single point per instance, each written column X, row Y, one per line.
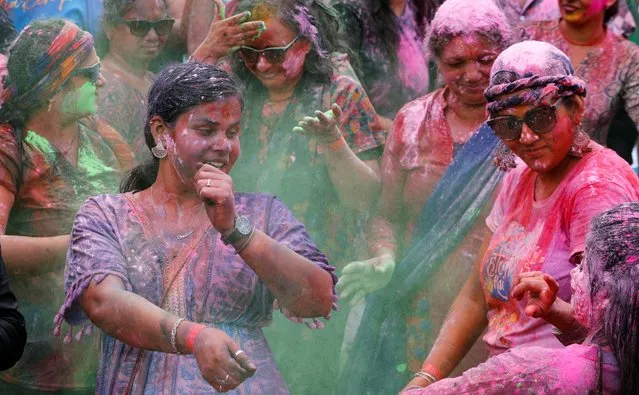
column 141, row 28
column 274, row 55
column 540, row 120
column 91, row 73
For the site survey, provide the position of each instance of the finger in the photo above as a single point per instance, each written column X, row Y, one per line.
column 535, row 286
column 525, row 275
column 356, row 267
column 323, row 118
column 312, row 121
column 242, row 359
column 337, row 111
column 358, row 297
column 349, row 291
column 553, row 285
column 220, row 13
column 346, row 281
column 533, row 311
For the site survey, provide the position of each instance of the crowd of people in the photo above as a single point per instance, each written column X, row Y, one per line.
column 320, row 197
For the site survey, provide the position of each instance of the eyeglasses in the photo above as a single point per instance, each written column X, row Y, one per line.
column 275, row 55
column 91, row 73
column 540, row 120
column 139, row 28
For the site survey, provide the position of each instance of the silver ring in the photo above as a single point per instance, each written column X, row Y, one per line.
column 226, row 379
column 238, row 352
column 208, row 182
column 221, row 388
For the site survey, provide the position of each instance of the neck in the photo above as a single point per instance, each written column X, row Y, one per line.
column 554, row 176
column 588, row 33
column 135, row 67
column 397, row 6
column 278, row 95
column 168, row 184
column 467, row 113
column 51, row 125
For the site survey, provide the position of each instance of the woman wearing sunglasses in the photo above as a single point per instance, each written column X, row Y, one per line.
column 437, row 183
column 542, row 212
column 608, row 63
column 52, row 158
column 599, row 325
column 134, row 34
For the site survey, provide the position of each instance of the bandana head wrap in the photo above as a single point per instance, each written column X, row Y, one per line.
column 529, row 72
column 53, row 68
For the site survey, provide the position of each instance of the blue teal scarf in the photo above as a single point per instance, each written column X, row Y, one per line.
column 376, row 364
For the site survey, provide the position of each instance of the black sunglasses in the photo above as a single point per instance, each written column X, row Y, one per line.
column 540, row 120
column 274, row 55
column 141, row 28
column 91, row 73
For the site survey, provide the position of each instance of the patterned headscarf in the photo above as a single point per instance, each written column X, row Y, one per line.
column 53, row 68
column 533, row 71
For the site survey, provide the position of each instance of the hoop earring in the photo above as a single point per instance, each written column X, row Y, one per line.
column 580, row 143
column 504, row 159
column 159, row 151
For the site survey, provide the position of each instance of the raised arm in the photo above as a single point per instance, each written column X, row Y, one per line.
column 300, row 285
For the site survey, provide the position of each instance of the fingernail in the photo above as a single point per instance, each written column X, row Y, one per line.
column 247, row 15
column 232, row 50
column 262, row 26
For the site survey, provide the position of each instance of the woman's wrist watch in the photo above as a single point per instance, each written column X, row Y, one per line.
column 240, row 235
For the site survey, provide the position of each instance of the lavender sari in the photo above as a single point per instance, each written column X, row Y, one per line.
column 215, row 286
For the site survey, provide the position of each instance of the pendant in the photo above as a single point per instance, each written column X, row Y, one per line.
column 185, row 235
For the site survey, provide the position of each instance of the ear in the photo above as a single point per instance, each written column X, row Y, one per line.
column 108, row 29
column 305, row 46
column 158, row 127
column 610, row 3
column 577, row 109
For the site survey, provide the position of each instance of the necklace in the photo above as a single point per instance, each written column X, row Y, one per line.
column 190, row 228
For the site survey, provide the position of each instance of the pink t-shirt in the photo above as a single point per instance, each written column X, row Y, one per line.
column 571, row 370
column 543, row 235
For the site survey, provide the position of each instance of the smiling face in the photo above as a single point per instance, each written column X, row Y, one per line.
column 208, row 133
column 140, row 49
column 285, row 75
column 80, row 95
column 465, row 65
column 542, row 152
column 582, row 11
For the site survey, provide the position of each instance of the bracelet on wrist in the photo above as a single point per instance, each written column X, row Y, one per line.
column 189, row 341
column 246, row 243
column 432, row 370
column 426, row 376
column 174, row 330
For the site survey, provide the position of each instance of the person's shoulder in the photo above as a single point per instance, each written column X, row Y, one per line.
column 359, row 8
column 602, row 166
column 252, row 202
column 625, row 46
column 105, row 203
column 422, row 103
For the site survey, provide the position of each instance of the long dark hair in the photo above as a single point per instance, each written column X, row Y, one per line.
column 386, row 25
column 7, row 30
column 297, row 16
column 176, row 89
column 612, row 256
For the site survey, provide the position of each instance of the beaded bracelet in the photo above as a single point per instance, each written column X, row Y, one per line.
column 174, row 334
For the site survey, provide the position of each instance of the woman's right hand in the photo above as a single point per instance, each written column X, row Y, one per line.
column 539, row 288
column 358, row 279
column 226, row 34
column 219, row 363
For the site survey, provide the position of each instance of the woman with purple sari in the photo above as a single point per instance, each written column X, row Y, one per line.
column 179, row 272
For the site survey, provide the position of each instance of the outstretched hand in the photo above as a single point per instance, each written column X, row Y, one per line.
column 358, row 279
column 539, row 288
column 323, row 126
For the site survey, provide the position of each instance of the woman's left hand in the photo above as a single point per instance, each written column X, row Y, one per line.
column 215, row 189
column 323, row 126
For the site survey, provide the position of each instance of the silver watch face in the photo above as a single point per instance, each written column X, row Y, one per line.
column 243, row 225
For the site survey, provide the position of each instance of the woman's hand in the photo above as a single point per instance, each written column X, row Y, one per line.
column 226, row 34
column 215, row 189
column 219, row 362
column 415, row 383
column 540, row 289
column 323, row 127
column 358, row 279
